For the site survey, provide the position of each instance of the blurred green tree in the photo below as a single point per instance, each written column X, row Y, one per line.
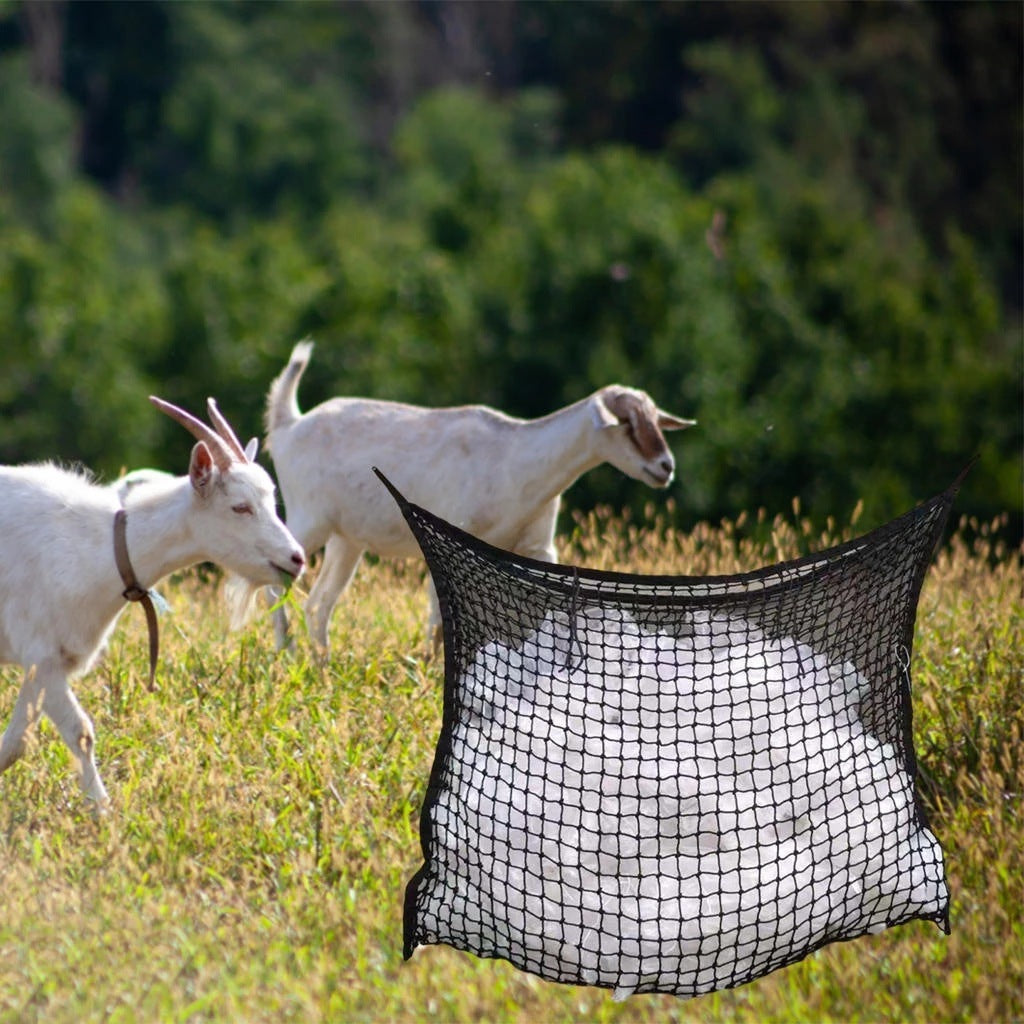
column 74, row 380
column 259, row 118
column 798, row 223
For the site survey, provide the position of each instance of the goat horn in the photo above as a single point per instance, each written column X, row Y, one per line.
column 224, row 429
column 223, row 457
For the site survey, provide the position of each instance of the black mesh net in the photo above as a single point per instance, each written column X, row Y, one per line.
column 674, row 784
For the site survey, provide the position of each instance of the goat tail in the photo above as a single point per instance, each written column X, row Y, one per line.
column 282, row 401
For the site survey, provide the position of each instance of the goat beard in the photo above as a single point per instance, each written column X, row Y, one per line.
column 240, row 597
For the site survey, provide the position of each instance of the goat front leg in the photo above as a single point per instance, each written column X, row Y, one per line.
column 435, row 622
column 75, row 728
column 538, row 538
column 341, row 559
column 25, row 716
column 282, row 637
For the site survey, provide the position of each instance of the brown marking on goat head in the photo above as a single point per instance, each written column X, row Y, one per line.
column 638, row 411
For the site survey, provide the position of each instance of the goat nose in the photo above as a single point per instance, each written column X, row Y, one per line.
column 668, row 465
column 298, row 559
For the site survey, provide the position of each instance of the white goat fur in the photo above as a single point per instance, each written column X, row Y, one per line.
column 496, row 476
column 60, row 590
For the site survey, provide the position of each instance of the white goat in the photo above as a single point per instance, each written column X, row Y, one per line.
column 496, row 476
column 128, row 482
column 60, row 586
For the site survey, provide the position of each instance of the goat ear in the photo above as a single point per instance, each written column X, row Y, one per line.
column 603, row 416
column 252, row 448
column 201, row 467
column 669, row 422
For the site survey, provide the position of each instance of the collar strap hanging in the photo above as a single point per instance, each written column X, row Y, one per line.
column 133, row 591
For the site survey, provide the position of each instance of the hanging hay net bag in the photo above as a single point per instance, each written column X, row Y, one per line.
column 669, row 783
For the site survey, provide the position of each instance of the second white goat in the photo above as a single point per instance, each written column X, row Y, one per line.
column 496, row 476
column 61, row 589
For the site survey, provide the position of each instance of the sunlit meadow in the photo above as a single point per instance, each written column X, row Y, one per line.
column 266, row 807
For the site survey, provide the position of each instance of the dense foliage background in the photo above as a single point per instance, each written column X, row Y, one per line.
column 798, row 223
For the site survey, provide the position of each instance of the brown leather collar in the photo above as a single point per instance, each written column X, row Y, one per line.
column 133, row 591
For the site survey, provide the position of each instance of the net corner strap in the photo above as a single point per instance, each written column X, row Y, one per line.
column 400, row 498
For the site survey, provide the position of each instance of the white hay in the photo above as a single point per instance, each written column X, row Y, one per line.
column 676, row 809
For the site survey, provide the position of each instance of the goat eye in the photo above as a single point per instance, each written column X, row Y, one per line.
column 243, row 509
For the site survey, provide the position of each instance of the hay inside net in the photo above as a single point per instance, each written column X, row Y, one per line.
column 674, row 784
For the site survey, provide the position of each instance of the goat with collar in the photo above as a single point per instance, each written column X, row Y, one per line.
column 61, row 588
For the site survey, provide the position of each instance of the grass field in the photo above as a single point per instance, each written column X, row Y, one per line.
column 266, row 809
